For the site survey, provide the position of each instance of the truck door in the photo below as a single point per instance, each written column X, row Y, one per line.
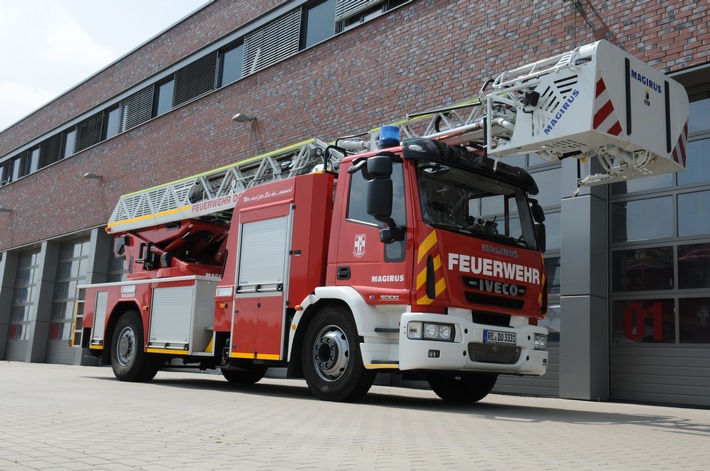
column 261, row 286
column 379, row 271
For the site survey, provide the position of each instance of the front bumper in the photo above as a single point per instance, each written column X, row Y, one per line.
column 468, row 351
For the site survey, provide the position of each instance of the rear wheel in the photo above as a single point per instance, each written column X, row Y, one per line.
column 129, row 360
column 332, row 363
column 248, row 374
column 462, row 387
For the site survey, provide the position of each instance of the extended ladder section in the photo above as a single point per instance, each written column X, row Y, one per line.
column 620, row 117
column 212, row 194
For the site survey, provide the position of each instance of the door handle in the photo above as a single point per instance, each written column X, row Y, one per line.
column 343, row 273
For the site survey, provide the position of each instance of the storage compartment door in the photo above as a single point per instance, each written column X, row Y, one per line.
column 97, row 331
column 171, row 318
column 262, row 283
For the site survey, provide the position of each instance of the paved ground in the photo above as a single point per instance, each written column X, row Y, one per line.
column 76, row 418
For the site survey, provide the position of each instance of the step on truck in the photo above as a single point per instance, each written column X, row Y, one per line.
column 412, row 249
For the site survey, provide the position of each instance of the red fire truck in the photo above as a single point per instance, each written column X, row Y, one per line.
column 421, row 256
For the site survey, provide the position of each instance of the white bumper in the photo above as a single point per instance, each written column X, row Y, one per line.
column 468, row 351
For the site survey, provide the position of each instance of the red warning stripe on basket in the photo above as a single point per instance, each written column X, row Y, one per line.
column 605, row 119
column 680, row 147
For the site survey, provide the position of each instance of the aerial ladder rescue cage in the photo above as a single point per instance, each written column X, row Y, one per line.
column 596, row 101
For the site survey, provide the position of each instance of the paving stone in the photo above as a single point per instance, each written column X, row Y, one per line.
column 77, row 418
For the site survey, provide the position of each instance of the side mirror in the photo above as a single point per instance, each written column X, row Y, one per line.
column 380, row 193
column 541, row 235
column 380, row 165
column 537, row 213
column 379, row 187
column 379, row 198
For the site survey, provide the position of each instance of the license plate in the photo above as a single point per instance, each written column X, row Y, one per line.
column 504, row 338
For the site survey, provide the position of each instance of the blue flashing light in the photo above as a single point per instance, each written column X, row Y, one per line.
column 389, row 137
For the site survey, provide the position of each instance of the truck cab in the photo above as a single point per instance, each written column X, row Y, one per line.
column 435, row 252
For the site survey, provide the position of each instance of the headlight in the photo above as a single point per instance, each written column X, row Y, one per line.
column 540, row 342
column 430, row 331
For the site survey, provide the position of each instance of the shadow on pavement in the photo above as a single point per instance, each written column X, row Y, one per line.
column 488, row 410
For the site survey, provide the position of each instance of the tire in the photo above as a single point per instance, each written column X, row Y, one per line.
column 331, row 359
column 129, row 360
column 462, row 388
column 245, row 375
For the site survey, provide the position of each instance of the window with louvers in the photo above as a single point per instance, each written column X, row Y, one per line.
column 272, row 43
column 88, row 132
column 136, row 109
column 195, row 79
column 50, row 150
column 347, row 8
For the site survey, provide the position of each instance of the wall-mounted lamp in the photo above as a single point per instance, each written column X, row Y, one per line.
column 242, row 118
column 5, row 210
column 92, row 176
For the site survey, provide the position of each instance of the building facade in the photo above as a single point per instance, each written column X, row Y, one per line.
column 629, row 263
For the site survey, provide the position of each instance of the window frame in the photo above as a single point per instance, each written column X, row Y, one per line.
column 239, row 44
column 111, row 122
column 305, row 23
column 157, row 95
column 679, row 296
column 64, row 153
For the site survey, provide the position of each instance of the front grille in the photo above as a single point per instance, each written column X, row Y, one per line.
column 494, row 300
column 490, row 318
column 501, row 354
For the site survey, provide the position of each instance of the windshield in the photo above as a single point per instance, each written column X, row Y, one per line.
column 464, row 202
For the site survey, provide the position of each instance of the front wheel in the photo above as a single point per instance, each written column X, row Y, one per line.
column 463, row 388
column 332, row 363
column 129, row 360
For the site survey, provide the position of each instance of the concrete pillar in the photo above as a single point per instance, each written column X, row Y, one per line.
column 99, row 255
column 97, row 272
column 42, row 297
column 8, row 267
column 584, row 300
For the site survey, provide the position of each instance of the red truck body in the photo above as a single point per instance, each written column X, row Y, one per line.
column 241, row 296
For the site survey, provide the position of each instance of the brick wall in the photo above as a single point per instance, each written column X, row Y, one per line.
column 209, row 24
column 428, row 53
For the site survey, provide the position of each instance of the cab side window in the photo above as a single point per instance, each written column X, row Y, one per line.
column 357, row 208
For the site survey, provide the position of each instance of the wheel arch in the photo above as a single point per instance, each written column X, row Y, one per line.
column 118, row 311
column 366, row 317
column 298, row 329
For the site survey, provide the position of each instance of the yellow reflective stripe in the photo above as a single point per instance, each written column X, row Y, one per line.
column 242, row 355
column 440, row 287
column 258, row 356
column 96, row 347
column 148, row 216
column 543, row 279
column 267, row 356
column 421, row 278
column 425, row 300
column 167, row 351
column 376, row 366
column 427, row 244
